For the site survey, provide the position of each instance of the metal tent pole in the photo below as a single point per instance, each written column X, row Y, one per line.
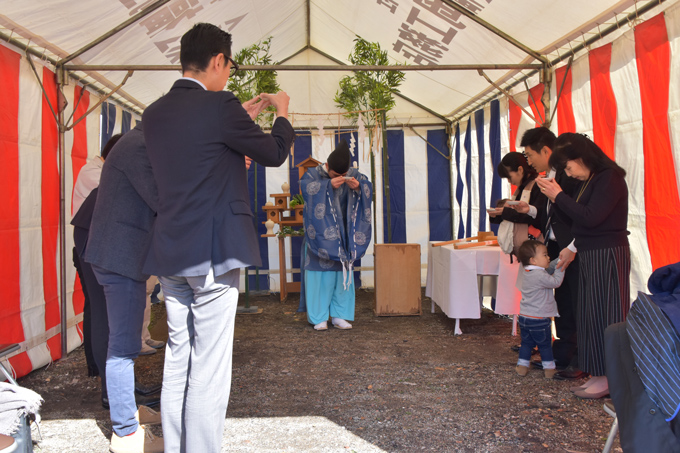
column 247, row 309
column 61, row 82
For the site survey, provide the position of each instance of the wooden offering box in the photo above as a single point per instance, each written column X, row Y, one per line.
column 397, row 280
column 280, row 200
column 276, row 213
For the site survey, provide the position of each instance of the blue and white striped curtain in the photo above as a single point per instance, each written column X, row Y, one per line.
column 477, row 153
column 115, row 120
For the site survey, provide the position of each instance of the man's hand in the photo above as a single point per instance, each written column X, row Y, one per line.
column 255, row 106
column 352, row 183
column 549, row 187
column 566, row 257
column 522, row 207
column 248, row 162
column 279, row 100
column 337, row 181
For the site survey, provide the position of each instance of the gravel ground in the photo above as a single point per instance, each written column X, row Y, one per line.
column 395, row 384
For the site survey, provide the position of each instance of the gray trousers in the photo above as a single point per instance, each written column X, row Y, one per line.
column 197, row 373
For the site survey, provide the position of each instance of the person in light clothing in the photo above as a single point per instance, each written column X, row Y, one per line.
column 538, row 305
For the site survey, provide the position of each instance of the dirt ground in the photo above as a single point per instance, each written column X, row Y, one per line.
column 395, row 384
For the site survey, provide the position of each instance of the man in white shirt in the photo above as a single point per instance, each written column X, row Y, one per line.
column 88, row 177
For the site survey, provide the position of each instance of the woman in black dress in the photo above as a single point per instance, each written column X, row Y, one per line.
column 599, row 211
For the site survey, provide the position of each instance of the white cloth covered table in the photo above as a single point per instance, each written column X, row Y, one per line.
column 453, row 285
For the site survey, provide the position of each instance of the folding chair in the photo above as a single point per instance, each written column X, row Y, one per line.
column 614, row 430
column 22, row 441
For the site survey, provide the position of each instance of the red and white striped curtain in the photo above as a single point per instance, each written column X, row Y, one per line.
column 621, row 95
column 29, row 210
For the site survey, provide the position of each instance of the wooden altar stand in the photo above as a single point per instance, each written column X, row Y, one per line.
column 276, row 214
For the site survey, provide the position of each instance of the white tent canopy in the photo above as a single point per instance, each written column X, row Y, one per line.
column 414, row 32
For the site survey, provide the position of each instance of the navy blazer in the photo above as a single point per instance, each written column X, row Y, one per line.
column 125, row 209
column 196, row 142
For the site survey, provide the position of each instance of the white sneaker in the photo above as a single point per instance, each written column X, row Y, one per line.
column 147, row 416
column 341, row 324
column 141, row 441
column 146, row 350
column 321, row 326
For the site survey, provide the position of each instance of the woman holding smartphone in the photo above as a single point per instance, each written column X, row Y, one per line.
column 599, row 212
column 515, row 168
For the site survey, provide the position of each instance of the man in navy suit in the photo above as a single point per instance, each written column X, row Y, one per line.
column 119, row 235
column 197, row 138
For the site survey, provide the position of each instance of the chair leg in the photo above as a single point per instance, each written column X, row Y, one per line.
column 613, row 431
column 7, row 374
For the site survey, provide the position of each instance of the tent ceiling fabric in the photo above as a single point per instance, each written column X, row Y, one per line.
column 412, row 31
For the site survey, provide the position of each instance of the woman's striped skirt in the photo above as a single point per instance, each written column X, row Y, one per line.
column 604, row 299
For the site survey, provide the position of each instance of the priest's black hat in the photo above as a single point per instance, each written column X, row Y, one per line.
column 339, row 160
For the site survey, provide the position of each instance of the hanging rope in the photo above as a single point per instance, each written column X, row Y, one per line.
column 335, row 131
column 336, row 113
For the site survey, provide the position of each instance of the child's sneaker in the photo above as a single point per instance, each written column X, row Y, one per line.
column 549, row 373
column 522, row 370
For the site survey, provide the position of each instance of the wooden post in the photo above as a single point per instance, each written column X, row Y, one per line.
column 282, row 268
column 386, row 176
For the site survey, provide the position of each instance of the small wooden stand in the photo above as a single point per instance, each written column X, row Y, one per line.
column 293, row 219
column 286, row 286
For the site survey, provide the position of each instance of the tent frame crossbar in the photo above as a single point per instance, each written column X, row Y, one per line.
column 535, row 104
column 31, row 51
column 342, row 67
column 506, row 93
column 352, row 128
column 407, row 99
column 100, row 102
column 475, row 102
column 145, row 12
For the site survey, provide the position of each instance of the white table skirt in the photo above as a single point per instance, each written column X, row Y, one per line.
column 452, row 280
